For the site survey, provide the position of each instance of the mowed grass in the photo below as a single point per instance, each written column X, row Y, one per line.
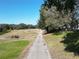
column 12, row 49
column 56, row 47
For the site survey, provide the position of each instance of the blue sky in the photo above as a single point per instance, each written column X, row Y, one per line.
column 19, row 11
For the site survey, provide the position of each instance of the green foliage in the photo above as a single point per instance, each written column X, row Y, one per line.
column 41, row 22
column 56, row 15
column 69, row 5
column 71, row 41
column 61, row 4
column 21, row 26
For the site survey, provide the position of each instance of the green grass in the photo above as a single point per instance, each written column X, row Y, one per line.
column 54, row 38
column 59, row 34
column 12, row 49
column 1, row 33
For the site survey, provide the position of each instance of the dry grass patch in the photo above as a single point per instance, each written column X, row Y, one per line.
column 57, row 48
column 28, row 34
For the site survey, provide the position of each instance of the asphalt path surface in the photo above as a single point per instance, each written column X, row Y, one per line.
column 39, row 49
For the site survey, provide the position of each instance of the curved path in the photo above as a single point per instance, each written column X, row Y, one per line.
column 39, row 49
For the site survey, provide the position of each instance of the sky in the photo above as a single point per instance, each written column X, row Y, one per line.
column 19, row 11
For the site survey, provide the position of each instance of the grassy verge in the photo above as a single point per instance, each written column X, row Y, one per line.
column 12, row 49
column 57, row 48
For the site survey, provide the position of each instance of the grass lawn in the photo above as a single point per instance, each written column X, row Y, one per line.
column 57, row 48
column 12, row 49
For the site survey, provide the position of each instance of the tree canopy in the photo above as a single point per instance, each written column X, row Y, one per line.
column 56, row 14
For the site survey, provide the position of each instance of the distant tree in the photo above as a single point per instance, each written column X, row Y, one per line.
column 4, row 27
column 21, row 26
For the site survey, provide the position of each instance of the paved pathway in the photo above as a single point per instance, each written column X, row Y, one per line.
column 39, row 49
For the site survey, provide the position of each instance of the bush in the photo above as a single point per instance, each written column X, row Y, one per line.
column 71, row 40
column 15, row 36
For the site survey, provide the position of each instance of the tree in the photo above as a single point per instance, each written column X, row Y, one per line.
column 21, row 26
column 55, row 14
column 41, row 22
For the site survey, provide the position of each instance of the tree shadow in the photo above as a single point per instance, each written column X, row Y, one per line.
column 71, row 41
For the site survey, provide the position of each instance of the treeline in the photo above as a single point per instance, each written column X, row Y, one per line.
column 58, row 15
column 5, row 27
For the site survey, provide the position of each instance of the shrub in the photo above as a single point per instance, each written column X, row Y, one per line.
column 15, row 36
